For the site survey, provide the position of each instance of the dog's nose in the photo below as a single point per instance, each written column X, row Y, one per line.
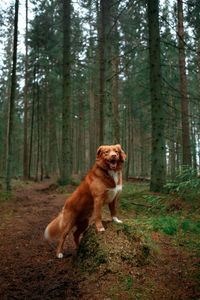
column 114, row 155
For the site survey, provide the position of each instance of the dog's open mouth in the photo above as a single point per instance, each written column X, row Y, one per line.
column 113, row 164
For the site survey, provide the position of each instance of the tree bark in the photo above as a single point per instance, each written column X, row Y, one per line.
column 171, row 130
column 66, row 105
column 101, row 39
column 186, row 160
column 198, row 59
column 25, row 158
column 91, row 99
column 46, row 130
column 171, row 140
column 108, row 88
column 158, row 166
column 115, row 62
column 38, row 134
column 80, row 142
column 7, row 97
column 32, row 122
column 12, row 99
column 52, row 147
column 106, row 131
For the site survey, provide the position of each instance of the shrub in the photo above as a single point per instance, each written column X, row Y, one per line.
column 186, row 183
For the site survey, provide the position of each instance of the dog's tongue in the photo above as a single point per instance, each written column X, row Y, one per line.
column 113, row 164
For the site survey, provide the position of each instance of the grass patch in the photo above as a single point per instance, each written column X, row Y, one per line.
column 165, row 214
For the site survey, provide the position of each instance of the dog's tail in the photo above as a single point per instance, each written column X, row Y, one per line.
column 54, row 228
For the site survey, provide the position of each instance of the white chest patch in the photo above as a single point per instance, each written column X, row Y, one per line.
column 112, row 193
column 114, row 175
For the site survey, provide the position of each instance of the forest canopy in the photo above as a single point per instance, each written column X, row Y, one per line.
column 99, row 72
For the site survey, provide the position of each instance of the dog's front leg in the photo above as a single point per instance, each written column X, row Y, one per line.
column 97, row 214
column 112, row 207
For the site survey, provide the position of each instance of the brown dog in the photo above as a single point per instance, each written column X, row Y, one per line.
column 101, row 186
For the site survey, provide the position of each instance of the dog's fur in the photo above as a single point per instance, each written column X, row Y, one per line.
column 101, row 186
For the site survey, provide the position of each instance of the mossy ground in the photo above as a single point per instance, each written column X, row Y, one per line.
column 109, row 252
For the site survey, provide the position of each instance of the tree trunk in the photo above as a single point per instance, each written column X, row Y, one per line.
column 52, row 146
column 101, row 39
column 66, row 105
column 32, row 122
column 7, row 124
column 171, row 140
column 178, row 146
column 158, row 172
column 91, row 99
column 116, row 86
column 6, row 90
column 38, row 135
column 198, row 59
column 81, row 148
column 41, row 149
column 172, row 131
column 184, row 100
column 108, row 88
column 46, row 128
column 142, row 150
column 7, row 97
column 106, row 135
column 25, row 158
column 129, row 144
column 12, row 99
column 194, row 147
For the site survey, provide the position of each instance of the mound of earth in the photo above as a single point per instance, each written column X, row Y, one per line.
column 112, row 250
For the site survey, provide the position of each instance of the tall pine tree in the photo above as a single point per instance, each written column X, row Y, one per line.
column 66, row 168
column 12, row 99
column 157, row 104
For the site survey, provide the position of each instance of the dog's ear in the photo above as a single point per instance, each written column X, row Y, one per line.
column 122, row 154
column 99, row 151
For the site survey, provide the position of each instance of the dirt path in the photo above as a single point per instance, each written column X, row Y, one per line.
column 29, row 268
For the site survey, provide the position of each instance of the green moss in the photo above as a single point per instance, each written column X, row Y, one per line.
column 90, row 254
column 109, row 251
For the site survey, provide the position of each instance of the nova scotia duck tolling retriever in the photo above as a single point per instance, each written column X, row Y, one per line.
column 101, row 186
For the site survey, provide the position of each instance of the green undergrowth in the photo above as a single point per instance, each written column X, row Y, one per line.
column 186, row 183
column 5, row 195
column 167, row 214
column 8, row 195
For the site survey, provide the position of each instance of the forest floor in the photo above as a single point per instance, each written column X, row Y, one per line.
column 29, row 268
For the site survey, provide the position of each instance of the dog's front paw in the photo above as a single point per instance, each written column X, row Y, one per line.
column 101, row 229
column 117, row 220
column 60, row 255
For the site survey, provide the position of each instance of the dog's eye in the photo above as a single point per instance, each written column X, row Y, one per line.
column 116, row 151
column 106, row 151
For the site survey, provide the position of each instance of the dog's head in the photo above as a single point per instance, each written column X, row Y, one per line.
column 110, row 157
